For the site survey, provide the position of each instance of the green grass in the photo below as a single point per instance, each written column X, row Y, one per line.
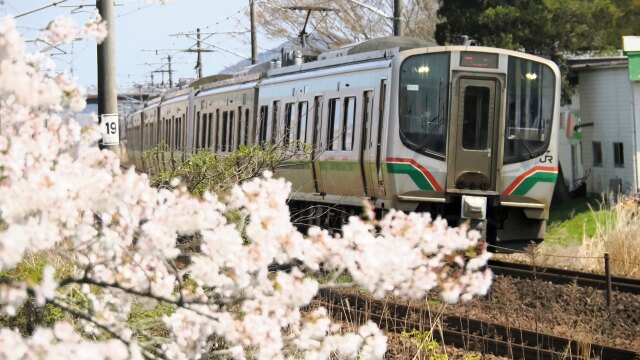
column 570, row 220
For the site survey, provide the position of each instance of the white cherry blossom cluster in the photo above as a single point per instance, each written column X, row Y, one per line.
column 63, row 30
column 62, row 195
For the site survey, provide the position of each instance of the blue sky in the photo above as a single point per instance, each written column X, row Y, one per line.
column 139, row 27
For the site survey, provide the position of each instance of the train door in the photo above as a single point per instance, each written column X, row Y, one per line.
column 367, row 148
column 473, row 153
column 373, row 126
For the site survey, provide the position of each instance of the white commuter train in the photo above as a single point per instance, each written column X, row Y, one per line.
column 458, row 131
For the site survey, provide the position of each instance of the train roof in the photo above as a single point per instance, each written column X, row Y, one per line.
column 369, row 50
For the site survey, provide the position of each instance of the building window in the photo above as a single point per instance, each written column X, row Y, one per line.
column 597, row 153
column 618, row 154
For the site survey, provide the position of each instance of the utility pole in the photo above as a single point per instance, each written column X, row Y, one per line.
column 199, row 50
column 397, row 17
column 170, row 71
column 254, row 39
column 199, row 59
column 107, row 88
column 162, row 71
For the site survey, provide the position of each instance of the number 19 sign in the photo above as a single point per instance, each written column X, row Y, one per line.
column 109, row 129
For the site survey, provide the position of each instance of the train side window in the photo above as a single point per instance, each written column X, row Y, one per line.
column 210, row 131
column 196, row 130
column 183, row 132
column 301, row 133
column 156, row 130
column 289, row 113
column 240, row 127
column 176, row 125
column 225, row 119
column 201, row 137
column 216, row 131
column 317, row 123
column 203, row 131
column 231, row 132
column 202, row 134
column 333, row 126
column 246, row 127
column 274, row 121
column 348, row 123
column 170, row 132
column 164, row 131
column 264, row 110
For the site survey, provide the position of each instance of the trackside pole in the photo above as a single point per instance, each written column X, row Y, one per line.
column 108, row 118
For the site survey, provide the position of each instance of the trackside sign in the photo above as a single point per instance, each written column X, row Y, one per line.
column 109, row 129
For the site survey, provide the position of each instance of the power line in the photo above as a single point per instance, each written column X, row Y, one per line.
column 226, row 19
column 40, row 8
column 134, row 11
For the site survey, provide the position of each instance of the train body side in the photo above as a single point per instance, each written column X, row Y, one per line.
column 441, row 129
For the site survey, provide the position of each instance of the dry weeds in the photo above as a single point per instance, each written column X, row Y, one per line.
column 617, row 233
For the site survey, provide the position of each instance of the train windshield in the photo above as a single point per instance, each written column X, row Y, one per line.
column 423, row 97
column 529, row 113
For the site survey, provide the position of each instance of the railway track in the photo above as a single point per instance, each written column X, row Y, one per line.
column 562, row 276
column 464, row 333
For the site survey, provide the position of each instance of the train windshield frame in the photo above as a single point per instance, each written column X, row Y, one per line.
column 424, row 103
column 531, row 90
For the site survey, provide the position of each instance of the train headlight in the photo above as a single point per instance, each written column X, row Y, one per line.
column 473, row 207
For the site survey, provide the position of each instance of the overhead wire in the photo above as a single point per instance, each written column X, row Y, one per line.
column 135, row 11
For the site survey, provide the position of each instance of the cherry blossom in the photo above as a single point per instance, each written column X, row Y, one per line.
column 63, row 196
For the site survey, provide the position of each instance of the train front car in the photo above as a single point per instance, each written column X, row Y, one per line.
column 475, row 138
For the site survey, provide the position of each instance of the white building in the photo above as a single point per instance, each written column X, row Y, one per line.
column 609, row 107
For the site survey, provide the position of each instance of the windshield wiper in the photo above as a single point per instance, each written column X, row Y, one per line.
column 524, row 143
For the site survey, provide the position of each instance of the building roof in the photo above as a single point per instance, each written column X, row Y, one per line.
column 597, row 62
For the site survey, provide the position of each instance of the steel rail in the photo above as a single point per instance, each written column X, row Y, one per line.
column 563, row 276
column 465, row 333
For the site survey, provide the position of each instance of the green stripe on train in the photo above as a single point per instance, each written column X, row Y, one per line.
column 296, row 165
column 539, row 176
column 324, row 165
column 340, row 165
column 418, row 178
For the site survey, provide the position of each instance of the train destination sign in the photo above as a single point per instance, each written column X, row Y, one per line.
column 478, row 60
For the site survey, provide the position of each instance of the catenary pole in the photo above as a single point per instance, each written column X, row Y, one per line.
column 107, row 88
column 170, row 71
column 397, row 17
column 199, row 60
column 254, row 40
